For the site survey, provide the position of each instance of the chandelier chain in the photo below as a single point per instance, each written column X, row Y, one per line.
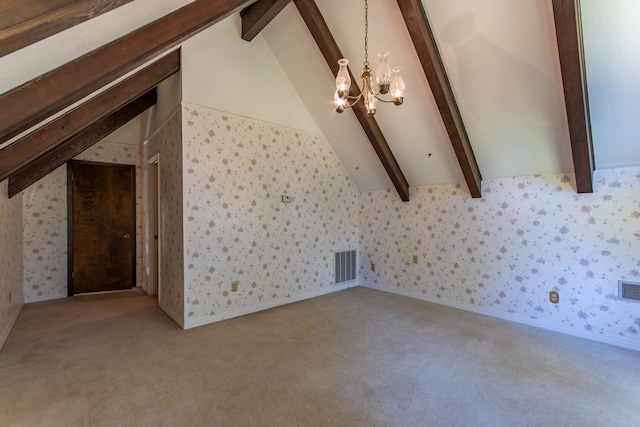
column 366, row 34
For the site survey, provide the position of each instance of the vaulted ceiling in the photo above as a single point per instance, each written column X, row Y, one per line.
column 496, row 88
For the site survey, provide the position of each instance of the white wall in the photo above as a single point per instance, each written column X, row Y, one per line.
column 224, row 72
column 611, row 43
column 501, row 255
column 10, row 261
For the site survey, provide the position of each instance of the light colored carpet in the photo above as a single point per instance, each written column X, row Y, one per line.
column 354, row 358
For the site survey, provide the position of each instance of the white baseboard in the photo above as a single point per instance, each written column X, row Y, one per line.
column 172, row 314
column 201, row 321
column 4, row 335
column 616, row 341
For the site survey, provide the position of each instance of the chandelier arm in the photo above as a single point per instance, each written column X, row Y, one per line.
column 356, row 99
column 384, row 100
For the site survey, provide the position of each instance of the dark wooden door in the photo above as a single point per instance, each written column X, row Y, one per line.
column 101, row 227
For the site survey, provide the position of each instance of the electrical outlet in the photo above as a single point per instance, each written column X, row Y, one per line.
column 373, row 267
column 234, row 286
column 415, row 259
column 554, row 297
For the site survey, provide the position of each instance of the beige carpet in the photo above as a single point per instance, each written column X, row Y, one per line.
column 354, row 358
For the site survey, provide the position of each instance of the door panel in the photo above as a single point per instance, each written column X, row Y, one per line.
column 101, row 227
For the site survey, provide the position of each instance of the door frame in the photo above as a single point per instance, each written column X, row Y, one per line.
column 70, row 163
column 153, row 184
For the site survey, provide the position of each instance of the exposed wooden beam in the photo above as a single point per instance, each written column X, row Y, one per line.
column 25, row 22
column 79, row 142
column 574, row 81
column 83, row 76
column 32, row 146
column 258, row 15
column 425, row 44
column 329, row 48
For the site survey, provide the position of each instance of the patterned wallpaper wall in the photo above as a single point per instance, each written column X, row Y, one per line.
column 10, row 260
column 236, row 226
column 45, row 223
column 167, row 143
column 502, row 254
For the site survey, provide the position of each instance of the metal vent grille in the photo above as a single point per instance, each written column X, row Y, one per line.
column 629, row 291
column 345, row 266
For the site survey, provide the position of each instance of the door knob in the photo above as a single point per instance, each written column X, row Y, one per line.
column 126, row 235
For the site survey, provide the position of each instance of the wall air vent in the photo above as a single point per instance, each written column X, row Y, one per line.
column 345, row 266
column 628, row 291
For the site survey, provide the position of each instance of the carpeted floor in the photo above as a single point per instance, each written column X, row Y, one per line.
column 354, row 358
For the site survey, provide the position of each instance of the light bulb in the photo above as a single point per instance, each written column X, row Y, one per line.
column 383, row 76
column 340, row 103
column 343, row 80
column 397, row 87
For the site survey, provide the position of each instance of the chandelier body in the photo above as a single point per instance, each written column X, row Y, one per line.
column 388, row 80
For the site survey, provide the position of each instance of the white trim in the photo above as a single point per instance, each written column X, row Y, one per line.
column 4, row 335
column 201, row 321
column 171, row 314
column 184, row 103
column 152, row 289
column 617, row 165
column 616, row 341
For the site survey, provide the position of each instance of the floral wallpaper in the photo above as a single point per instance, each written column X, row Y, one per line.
column 45, row 237
column 10, row 260
column 45, row 223
column 236, row 225
column 504, row 253
column 167, row 143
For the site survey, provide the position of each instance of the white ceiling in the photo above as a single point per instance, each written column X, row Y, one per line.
column 502, row 61
column 501, row 57
column 508, row 87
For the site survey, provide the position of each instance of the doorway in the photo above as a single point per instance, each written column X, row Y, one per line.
column 101, row 223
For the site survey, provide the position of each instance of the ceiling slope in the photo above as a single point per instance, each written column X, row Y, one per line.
column 79, row 78
column 76, row 144
column 27, row 21
column 329, row 49
column 434, row 70
column 501, row 63
column 37, row 143
column 516, row 71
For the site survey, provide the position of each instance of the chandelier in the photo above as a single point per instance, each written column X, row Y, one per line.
column 388, row 80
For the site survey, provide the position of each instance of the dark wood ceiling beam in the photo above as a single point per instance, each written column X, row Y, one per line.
column 76, row 144
column 257, row 16
column 25, row 22
column 329, row 48
column 39, row 142
column 433, row 66
column 79, row 78
column 568, row 23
